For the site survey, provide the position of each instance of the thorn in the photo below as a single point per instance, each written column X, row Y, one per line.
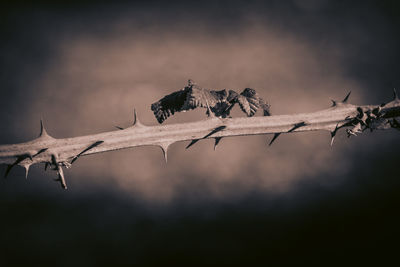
column 215, row 130
column 395, row 96
column 136, row 121
column 61, row 178
column 165, row 154
column 333, row 133
column 26, row 166
column 9, row 167
column 217, row 139
column 46, row 165
column 43, row 131
column 276, row 135
column 39, row 152
column 54, row 161
column 332, row 138
column 297, row 125
column 86, row 149
column 346, row 97
column 59, row 170
column 19, row 160
column 194, row 141
column 164, row 148
column 335, row 103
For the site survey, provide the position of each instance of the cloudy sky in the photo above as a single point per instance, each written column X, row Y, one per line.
column 84, row 66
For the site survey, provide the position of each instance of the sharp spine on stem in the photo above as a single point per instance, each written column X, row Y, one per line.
column 85, row 150
column 346, row 97
column 217, row 140
column 43, row 132
column 295, row 126
column 136, row 121
column 19, row 159
column 26, row 167
column 164, row 147
column 276, row 135
column 344, row 101
column 60, row 172
column 333, row 133
column 215, row 130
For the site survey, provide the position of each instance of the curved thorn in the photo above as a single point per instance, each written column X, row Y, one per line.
column 59, row 170
column 43, row 131
column 395, row 96
column 346, row 97
column 9, row 167
column 333, row 133
column 276, row 135
column 297, row 125
column 120, row 128
column 40, row 152
column 215, row 130
column 54, row 160
column 136, row 121
column 164, row 148
column 217, row 139
column 332, row 139
column 19, row 160
column 61, row 177
column 165, row 154
column 334, row 103
column 85, row 150
column 26, row 166
column 194, row 141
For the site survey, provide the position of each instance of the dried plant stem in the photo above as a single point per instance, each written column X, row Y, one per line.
column 63, row 152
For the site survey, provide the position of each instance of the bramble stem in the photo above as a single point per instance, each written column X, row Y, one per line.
column 63, row 152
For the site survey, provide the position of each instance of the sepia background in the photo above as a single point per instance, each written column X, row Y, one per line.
column 84, row 66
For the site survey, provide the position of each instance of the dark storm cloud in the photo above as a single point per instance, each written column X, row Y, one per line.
column 83, row 67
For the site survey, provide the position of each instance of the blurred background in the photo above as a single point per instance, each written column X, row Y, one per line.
column 84, row 65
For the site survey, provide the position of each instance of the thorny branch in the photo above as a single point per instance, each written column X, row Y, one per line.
column 59, row 153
